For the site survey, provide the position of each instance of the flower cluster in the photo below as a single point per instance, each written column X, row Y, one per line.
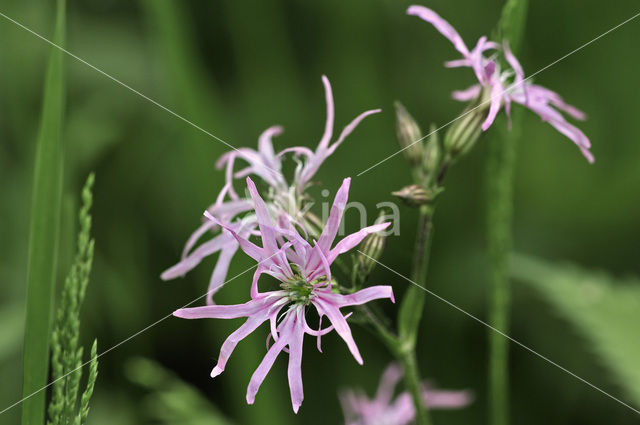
column 384, row 409
column 235, row 212
column 304, row 272
column 500, row 88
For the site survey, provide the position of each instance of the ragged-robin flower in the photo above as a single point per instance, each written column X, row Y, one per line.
column 234, row 211
column 304, row 272
column 500, row 88
column 384, row 409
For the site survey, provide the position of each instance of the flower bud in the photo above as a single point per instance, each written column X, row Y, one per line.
column 413, row 195
column 465, row 132
column 409, row 135
column 371, row 249
column 432, row 152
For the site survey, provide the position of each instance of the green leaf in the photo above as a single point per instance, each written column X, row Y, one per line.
column 172, row 401
column 512, row 23
column 605, row 311
column 44, row 232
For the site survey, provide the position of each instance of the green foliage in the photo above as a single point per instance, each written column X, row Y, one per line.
column 44, row 232
column 605, row 310
column 512, row 23
column 66, row 358
column 172, row 401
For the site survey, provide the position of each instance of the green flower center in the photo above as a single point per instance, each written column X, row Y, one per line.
column 299, row 290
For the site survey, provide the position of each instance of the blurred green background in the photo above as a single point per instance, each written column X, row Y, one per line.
column 235, row 68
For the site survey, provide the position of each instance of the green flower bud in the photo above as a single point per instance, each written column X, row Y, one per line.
column 413, row 195
column 371, row 249
column 408, row 134
column 432, row 157
column 464, row 133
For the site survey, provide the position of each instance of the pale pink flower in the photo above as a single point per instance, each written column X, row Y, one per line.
column 305, row 275
column 501, row 88
column 233, row 210
column 384, row 409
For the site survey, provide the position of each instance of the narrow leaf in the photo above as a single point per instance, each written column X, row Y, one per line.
column 44, row 232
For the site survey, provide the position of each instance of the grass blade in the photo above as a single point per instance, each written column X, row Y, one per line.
column 44, row 231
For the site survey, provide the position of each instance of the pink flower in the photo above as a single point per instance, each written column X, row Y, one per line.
column 305, row 275
column 384, row 409
column 282, row 196
column 504, row 87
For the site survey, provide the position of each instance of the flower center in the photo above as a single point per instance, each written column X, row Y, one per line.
column 299, row 290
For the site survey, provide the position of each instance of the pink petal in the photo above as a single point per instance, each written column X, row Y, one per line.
column 204, row 250
column 468, row 93
column 318, row 265
column 265, row 146
column 247, row 246
column 230, row 343
column 221, row 311
column 362, row 296
column 350, row 127
column 340, row 324
column 354, row 239
column 267, row 362
column 440, row 399
column 220, row 270
column 328, row 127
column 294, row 370
column 441, row 25
column 496, row 100
column 457, row 63
column 390, row 378
column 515, row 65
column 335, row 216
column 315, row 161
column 268, row 235
column 195, row 236
column 556, row 100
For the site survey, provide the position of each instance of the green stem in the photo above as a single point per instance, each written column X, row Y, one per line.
column 499, row 197
column 411, row 312
column 413, row 384
column 44, row 233
column 500, row 164
column 386, row 335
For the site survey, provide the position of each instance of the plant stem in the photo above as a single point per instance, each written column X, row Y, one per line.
column 499, row 197
column 411, row 313
column 413, row 384
column 44, row 233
